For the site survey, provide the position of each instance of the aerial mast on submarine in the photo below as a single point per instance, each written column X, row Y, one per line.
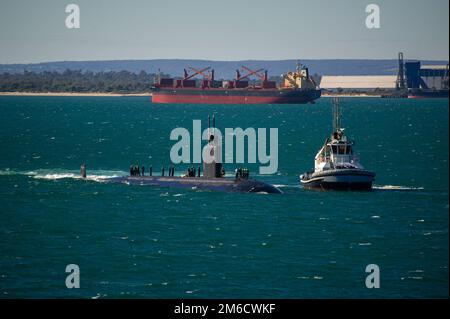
column 212, row 164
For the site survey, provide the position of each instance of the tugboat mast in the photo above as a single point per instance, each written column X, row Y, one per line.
column 336, row 115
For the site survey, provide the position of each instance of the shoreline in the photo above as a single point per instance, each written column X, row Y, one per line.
column 350, row 95
column 72, row 94
column 105, row 94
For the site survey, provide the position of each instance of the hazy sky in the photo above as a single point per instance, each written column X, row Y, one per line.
column 35, row 31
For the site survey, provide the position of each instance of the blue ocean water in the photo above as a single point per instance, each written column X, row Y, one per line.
column 140, row 241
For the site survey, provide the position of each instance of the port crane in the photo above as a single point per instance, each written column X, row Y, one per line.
column 400, row 82
column 445, row 79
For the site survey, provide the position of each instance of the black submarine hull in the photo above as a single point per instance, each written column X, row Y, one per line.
column 201, row 183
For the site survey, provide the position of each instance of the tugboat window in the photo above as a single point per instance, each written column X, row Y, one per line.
column 349, row 150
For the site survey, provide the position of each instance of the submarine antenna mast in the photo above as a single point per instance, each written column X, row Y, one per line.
column 209, row 127
column 214, row 124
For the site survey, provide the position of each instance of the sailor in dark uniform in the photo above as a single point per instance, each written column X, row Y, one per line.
column 83, row 170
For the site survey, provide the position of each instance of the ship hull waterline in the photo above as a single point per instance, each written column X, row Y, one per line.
column 340, row 180
column 235, row 96
column 199, row 183
column 425, row 94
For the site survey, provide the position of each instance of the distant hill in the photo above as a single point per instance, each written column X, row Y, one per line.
column 223, row 69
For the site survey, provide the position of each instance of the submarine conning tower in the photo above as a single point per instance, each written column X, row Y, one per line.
column 212, row 166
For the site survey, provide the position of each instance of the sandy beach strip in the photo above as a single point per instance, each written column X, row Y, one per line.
column 70, row 94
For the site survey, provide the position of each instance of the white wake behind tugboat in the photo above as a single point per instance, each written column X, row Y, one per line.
column 335, row 165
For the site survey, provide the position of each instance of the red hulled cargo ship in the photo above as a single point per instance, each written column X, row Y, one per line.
column 296, row 88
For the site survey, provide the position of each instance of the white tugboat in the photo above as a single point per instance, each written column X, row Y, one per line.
column 335, row 165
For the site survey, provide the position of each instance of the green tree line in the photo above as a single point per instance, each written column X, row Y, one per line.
column 77, row 81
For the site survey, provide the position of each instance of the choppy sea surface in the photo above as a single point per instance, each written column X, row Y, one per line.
column 140, row 241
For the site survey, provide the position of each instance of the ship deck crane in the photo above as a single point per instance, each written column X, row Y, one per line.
column 262, row 76
column 188, row 76
column 251, row 72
